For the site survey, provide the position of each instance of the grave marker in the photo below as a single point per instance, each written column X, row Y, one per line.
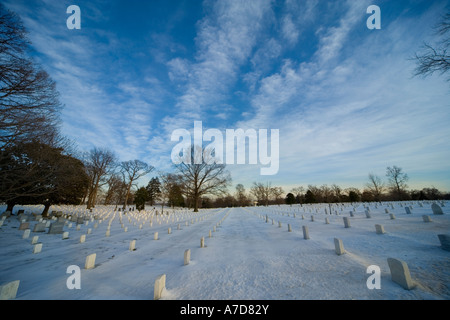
column 426, row 218
column 379, row 229
column 8, row 291
column 187, row 257
column 132, row 245
column 305, row 232
column 37, row 248
column 39, row 227
column 56, row 228
column 24, row 226
column 26, row 234
column 436, row 209
column 400, row 273
column 65, row 235
column 155, row 237
column 202, row 242
column 34, row 240
column 347, row 222
column 90, row 261
column 338, row 246
column 160, row 285
column 408, row 210
column 444, row 239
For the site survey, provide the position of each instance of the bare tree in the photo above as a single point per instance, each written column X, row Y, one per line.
column 436, row 58
column 131, row 171
column 99, row 164
column 298, row 192
column 115, row 189
column 262, row 192
column 375, row 186
column 397, row 180
column 327, row 193
column 29, row 102
column 201, row 176
column 241, row 197
column 169, row 182
column 277, row 192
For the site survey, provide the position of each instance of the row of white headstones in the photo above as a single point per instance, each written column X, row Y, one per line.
column 399, row 269
column 134, row 218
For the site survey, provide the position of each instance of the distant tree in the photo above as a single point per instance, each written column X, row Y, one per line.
column 153, row 190
column 99, row 164
column 262, row 192
column 327, row 193
column 290, row 198
column 241, row 196
column 131, row 171
column 276, row 193
column 336, row 193
column 115, row 189
column 353, row 196
column 375, row 186
column 140, row 198
column 298, row 192
column 310, row 197
column 176, row 198
column 397, row 181
column 200, row 176
column 436, row 58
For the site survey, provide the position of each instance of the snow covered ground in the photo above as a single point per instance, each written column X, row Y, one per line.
column 246, row 258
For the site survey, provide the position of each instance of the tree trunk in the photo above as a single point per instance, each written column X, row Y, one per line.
column 46, row 208
column 10, row 206
column 196, row 201
column 127, row 195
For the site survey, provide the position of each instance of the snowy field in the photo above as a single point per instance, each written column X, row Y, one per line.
column 248, row 256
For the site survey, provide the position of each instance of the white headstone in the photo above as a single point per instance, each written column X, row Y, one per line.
column 379, row 229
column 187, row 257
column 34, row 240
column 436, row 209
column 37, row 248
column 338, row 246
column 160, row 285
column 305, row 232
column 8, row 290
column 132, row 245
column 26, row 234
column 400, row 273
column 347, row 222
column 202, row 242
column 90, row 261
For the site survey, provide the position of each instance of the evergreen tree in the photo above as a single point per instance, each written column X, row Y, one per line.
column 153, row 190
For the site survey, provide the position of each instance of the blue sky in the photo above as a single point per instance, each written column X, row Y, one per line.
column 342, row 96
